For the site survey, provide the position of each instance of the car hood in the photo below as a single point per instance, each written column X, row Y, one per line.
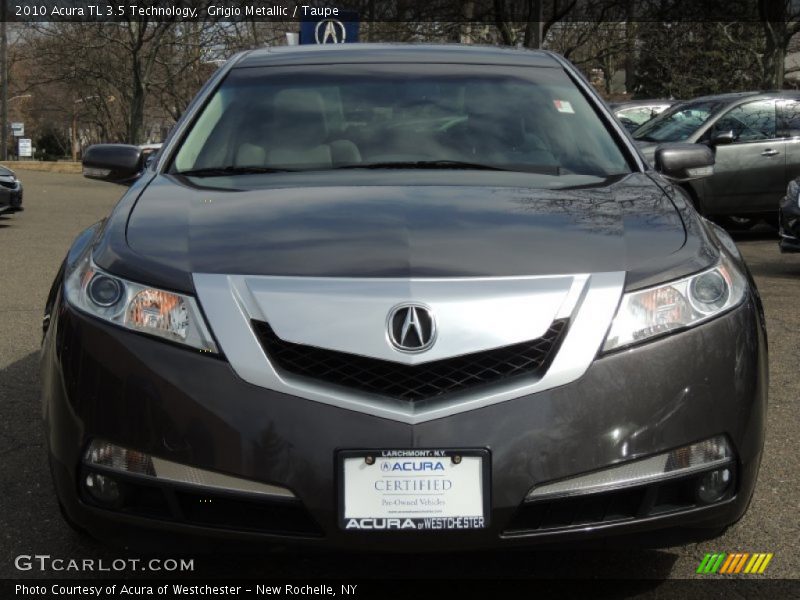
column 404, row 231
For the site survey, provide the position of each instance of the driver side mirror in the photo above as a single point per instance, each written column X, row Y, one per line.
column 722, row 138
column 683, row 162
column 117, row 163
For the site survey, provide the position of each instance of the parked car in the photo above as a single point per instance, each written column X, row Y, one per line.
column 386, row 297
column 753, row 135
column 634, row 113
column 150, row 151
column 789, row 218
column 10, row 191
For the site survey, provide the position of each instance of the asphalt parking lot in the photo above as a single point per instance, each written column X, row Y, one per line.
column 58, row 206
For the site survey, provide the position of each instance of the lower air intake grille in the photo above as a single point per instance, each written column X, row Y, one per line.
column 413, row 382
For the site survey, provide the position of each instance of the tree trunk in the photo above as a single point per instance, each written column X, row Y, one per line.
column 136, row 117
column 774, row 60
column 533, row 28
column 502, row 24
column 630, row 50
column 774, row 15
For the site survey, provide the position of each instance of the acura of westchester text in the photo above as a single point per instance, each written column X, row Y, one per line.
column 134, row 590
column 175, row 589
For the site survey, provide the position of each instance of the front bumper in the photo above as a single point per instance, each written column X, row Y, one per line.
column 11, row 198
column 140, row 393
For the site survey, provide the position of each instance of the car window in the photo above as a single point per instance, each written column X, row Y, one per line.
column 749, row 122
column 790, row 121
column 637, row 114
column 335, row 116
column 677, row 123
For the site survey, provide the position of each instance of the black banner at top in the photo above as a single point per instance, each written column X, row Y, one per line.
column 476, row 11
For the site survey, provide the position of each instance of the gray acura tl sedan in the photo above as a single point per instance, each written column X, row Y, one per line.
column 403, row 298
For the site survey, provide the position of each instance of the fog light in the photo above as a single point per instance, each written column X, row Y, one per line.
column 102, row 488
column 714, row 485
column 713, row 453
column 125, row 461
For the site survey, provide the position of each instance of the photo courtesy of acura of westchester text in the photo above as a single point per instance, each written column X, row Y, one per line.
column 341, row 294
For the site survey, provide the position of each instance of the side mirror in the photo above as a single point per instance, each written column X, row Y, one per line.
column 722, row 138
column 684, row 162
column 117, row 163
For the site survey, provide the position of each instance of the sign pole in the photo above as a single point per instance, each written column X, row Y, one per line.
column 4, row 69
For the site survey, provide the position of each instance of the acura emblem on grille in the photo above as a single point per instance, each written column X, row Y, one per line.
column 411, row 327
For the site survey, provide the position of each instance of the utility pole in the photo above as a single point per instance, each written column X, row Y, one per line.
column 4, row 74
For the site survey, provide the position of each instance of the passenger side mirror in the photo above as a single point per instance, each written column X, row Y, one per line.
column 117, row 163
column 722, row 138
column 683, row 162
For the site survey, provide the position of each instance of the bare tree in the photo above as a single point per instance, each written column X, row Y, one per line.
column 527, row 22
column 781, row 21
column 108, row 62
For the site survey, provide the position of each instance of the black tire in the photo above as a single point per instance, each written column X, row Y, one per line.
column 734, row 223
column 771, row 219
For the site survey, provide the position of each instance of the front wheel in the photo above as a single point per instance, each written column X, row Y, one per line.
column 772, row 219
column 735, row 223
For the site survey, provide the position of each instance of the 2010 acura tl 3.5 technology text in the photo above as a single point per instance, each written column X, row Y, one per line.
column 403, row 298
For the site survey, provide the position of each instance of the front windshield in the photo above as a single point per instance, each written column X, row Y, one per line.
column 318, row 118
column 677, row 123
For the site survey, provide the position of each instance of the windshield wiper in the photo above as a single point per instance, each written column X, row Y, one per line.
column 450, row 164
column 230, row 170
column 417, row 164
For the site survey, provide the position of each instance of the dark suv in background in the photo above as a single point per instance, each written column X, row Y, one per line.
column 751, row 134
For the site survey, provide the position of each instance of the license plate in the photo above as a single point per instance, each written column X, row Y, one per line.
column 413, row 489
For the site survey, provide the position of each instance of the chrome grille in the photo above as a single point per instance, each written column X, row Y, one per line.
column 413, row 383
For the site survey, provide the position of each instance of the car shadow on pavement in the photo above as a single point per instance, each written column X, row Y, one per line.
column 759, row 232
column 650, row 565
column 778, row 269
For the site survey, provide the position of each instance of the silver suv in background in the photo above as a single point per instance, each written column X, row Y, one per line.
column 750, row 134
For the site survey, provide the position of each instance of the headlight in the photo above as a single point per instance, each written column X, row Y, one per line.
column 676, row 305
column 174, row 317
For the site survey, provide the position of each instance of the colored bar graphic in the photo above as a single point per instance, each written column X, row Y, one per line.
column 740, row 564
column 728, row 563
column 754, row 563
column 764, row 564
column 703, row 563
column 731, row 564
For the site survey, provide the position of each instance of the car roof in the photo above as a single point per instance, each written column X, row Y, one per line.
column 733, row 97
column 312, row 54
column 635, row 103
